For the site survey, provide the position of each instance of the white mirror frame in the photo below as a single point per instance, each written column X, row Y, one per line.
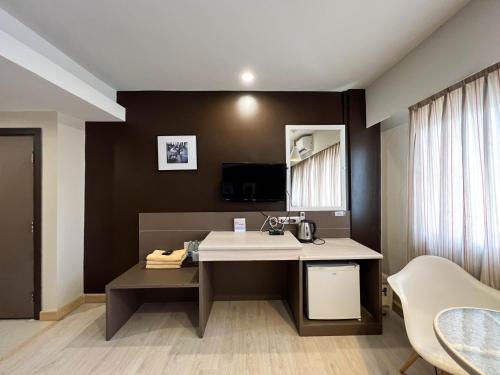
column 343, row 166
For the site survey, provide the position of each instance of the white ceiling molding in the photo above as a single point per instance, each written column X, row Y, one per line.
column 466, row 44
column 25, row 35
column 30, row 81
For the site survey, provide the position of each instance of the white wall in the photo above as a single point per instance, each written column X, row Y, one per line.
column 18, row 30
column 37, row 76
column 394, row 154
column 70, row 207
column 325, row 138
column 466, row 44
column 63, row 163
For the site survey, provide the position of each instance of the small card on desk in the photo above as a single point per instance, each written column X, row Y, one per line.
column 240, row 225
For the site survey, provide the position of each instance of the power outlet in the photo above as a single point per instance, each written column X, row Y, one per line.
column 288, row 220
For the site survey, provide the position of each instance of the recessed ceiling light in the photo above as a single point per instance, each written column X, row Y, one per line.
column 247, row 77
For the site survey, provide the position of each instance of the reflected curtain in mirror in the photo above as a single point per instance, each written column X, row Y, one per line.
column 316, row 180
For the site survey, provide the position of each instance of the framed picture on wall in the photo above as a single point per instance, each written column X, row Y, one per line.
column 177, row 152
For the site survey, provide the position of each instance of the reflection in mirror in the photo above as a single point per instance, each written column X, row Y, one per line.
column 316, row 167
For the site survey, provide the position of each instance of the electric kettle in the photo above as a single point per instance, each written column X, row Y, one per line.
column 306, row 231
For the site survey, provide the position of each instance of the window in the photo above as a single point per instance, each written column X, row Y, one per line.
column 454, row 176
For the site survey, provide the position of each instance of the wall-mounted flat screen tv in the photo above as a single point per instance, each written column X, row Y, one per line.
column 250, row 182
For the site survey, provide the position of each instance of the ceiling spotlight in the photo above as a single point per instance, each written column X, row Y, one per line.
column 247, row 77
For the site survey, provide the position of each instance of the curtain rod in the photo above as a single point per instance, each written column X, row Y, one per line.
column 473, row 77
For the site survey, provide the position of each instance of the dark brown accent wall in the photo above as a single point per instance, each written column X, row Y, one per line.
column 364, row 166
column 121, row 160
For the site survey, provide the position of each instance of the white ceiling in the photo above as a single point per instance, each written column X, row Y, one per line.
column 205, row 45
column 22, row 90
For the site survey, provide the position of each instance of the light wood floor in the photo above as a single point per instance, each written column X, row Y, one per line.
column 252, row 337
column 16, row 332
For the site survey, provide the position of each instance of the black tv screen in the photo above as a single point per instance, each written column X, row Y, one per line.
column 253, row 182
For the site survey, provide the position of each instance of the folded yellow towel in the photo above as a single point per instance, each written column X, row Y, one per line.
column 153, row 263
column 176, row 256
column 166, row 263
column 161, row 266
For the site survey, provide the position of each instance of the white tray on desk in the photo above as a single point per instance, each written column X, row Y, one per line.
column 254, row 240
column 249, row 246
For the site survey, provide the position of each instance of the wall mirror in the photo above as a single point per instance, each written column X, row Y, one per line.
column 316, row 167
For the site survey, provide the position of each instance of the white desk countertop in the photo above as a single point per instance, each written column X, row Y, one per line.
column 253, row 240
column 255, row 245
column 338, row 249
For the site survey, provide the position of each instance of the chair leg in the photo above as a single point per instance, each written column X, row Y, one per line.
column 410, row 361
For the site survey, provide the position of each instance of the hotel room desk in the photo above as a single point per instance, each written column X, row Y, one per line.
column 251, row 265
column 258, row 247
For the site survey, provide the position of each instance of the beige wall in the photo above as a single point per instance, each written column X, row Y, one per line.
column 70, row 207
column 394, row 154
column 63, row 158
column 325, row 138
column 464, row 45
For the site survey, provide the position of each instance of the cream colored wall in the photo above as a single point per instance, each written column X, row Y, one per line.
column 70, row 207
column 325, row 138
column 394, row 154
column 63, row 163
column 464, row 45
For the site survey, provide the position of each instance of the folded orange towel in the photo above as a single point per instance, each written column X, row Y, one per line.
column 167, row 263
column 161, row 267
column 176, row 256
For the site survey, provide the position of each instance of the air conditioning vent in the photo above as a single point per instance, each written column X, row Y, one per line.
column 305, row 146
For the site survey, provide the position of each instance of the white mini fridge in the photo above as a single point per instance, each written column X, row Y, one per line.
column 333, row 291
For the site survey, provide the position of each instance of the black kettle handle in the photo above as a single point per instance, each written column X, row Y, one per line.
column 313, row 229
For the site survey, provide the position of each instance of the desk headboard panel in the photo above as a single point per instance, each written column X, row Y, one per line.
column 169, row 230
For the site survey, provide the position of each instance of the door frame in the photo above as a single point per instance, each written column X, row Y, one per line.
column 36, row 133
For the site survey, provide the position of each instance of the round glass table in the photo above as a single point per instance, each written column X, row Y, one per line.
column 471, row 336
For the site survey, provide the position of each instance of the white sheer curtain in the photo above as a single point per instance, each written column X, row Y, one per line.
column 316, row 180
column 454, row 176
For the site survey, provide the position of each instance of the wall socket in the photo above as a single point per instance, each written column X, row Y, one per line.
column 289, row 220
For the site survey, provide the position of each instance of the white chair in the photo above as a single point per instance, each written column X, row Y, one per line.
column 427, row 285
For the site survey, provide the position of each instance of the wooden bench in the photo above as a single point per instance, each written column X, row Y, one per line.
column 125, row 294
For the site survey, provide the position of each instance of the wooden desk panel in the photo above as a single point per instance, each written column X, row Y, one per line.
column 168, row 230
column 249, row 280
column 138, row 277
column 126, row 293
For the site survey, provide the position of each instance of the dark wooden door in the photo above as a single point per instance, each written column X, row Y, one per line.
column 16, row 227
